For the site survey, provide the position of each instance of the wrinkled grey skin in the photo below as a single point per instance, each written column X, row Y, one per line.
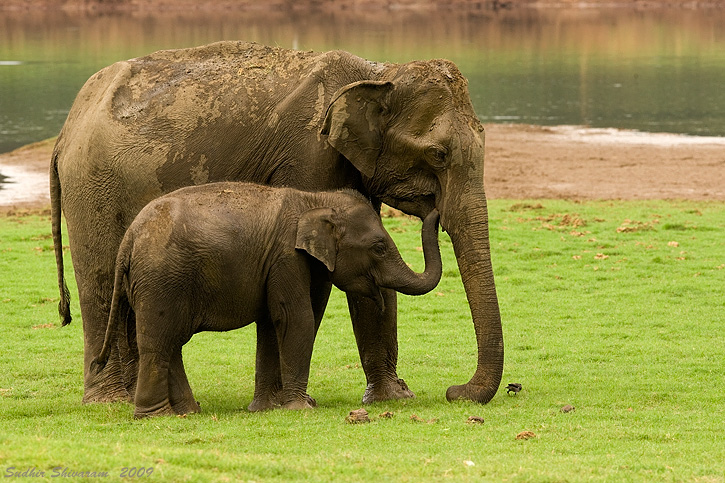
column 220, row 256
column 402, row 134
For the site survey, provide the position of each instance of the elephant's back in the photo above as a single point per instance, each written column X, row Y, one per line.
column 224, row 204
column 226, row 55
column 218, row 70
column 216, row 224
column 238, row 197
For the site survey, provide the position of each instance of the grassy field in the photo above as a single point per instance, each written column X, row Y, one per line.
column 615, row 308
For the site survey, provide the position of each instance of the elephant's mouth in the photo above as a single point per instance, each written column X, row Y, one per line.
column 419, row 206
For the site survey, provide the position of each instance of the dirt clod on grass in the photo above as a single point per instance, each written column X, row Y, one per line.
column 357, row 416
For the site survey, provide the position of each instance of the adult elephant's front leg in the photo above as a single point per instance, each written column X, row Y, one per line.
column 376, row 334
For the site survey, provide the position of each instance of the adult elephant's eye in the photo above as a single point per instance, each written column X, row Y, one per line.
column 437, row 156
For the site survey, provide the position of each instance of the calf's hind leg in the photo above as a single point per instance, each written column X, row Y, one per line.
column 162, row 381
column 152, row 388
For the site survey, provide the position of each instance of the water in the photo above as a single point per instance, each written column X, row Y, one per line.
column 655, row 70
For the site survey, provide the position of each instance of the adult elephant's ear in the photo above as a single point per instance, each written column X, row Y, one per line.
column 316, row 235
column 353, row 122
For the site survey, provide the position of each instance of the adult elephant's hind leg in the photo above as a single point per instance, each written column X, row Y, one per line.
column 181, row 398
column 93, row 265
column 376, row 334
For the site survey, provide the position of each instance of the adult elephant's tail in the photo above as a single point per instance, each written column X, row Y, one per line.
column 56, row 213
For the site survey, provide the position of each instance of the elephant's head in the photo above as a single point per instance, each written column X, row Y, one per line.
column 361, row 256
column 418, row 145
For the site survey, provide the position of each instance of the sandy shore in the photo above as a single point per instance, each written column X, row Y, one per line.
column 522, row 162
column 577, row 163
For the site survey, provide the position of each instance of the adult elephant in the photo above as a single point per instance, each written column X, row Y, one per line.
column 402, row 134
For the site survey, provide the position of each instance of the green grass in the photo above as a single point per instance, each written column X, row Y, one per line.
column 616, row 308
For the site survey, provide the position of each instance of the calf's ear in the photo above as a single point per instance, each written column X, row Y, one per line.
column 316, row 235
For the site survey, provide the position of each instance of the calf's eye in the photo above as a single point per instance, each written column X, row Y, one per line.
column 379, row 248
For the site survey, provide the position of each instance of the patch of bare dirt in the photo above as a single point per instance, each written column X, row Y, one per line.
column 524, row 162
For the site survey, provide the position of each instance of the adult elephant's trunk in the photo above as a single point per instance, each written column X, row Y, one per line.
column 405, row 280
column 464, row 215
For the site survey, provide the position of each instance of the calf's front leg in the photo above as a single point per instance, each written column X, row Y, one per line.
column 267, row 373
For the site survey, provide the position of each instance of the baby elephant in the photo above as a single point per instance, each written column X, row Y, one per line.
column 220, row 256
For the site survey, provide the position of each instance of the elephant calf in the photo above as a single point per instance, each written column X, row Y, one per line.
column 220, row 256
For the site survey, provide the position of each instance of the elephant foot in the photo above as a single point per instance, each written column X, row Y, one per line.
column 386, row 390
column 474, row 392
column 306, row 402
column 165, row 410
column 94, row 397
column 186, row 407
column 263, row 403
column 107, row 386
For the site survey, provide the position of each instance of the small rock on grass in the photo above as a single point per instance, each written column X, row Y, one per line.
column 568, row 408
column 475, row 420
column 358, row 416
column 526, row 435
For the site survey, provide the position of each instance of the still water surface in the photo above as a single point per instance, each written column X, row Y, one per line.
column 655, row 70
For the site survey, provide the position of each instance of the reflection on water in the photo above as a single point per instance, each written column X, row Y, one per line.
column 657, row 70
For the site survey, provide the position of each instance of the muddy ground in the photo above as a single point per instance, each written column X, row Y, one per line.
column 522, row 162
